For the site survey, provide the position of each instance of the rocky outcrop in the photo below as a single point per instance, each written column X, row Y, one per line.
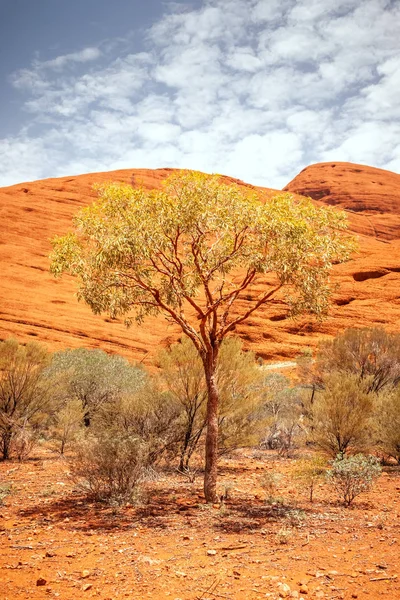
column 371, row 196
column 34, row 305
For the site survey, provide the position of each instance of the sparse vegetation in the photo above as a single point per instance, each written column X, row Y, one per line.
column 353, row 475
column 142, row 253
column 341, row 415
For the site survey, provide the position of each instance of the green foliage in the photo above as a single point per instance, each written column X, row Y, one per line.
column 67, row 424
column 127, row 438
column 24, row 395
column 340, row 416
column 145, row 252
column 190, row 252
column 183, row 373
column 150, row 415
column 93, row 378
column 241, row 422
column 353, row 475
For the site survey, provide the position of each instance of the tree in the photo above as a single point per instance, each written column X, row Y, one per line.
column 182, row 371
column 195, row 252
column 341, row 414
column 240, row 420
column 284, row 411
column 372, row 354
column 93, row 378
column 24, row 391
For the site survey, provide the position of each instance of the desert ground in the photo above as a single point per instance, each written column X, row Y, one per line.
column 57, row 544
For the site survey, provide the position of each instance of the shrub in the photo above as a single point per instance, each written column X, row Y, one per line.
column 353, row 475
column 270, row 483
column 24, row 395
column 111, row 467
column 388, row 424
column 341, row 414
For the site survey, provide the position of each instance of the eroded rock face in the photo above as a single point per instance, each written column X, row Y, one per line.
column 372, row 196
column 34, row 305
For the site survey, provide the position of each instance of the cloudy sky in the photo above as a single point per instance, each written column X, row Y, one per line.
column 256, row 89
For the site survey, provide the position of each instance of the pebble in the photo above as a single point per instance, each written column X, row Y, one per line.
column 41, row 581
column 86, row 587
column 85, row 573
column 211, row 552
column 304, row 589
column 283, row 590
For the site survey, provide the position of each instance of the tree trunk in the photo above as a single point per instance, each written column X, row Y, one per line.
column 6, row 443
column 210, row 474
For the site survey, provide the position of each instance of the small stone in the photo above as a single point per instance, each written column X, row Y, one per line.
column 211, row 552
column 354, row 595
column 304, row 589
column 86, row 587
column 85, row 573
column 41, row 581
column 50, row 554
column 283, row 590
column 294, row 594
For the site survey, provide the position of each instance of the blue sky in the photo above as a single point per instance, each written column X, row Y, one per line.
column 256, row 89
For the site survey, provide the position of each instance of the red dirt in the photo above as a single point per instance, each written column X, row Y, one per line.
column 34, row 305
column 159, row 549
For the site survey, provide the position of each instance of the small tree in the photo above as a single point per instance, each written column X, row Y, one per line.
column 183, row 372
column 240, row 419
column 151, row 252
column 283, row 410
column 309, row 471
column 341, row 415
column 353, row 475
column 24, row 392
column 92, row 377
column 371, row 354
column 67, row 423
column 237, row 378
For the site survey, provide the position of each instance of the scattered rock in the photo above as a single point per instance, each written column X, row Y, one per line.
column 86, row 587
column 41, row 581
column 211, row 552
column 85, row 573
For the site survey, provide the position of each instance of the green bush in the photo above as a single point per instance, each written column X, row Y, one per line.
column 353, row 475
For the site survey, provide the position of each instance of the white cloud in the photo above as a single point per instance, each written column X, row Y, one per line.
column 252, row 88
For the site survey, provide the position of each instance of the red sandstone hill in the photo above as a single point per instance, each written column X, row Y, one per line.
column 36, row 306
column 373, row 195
